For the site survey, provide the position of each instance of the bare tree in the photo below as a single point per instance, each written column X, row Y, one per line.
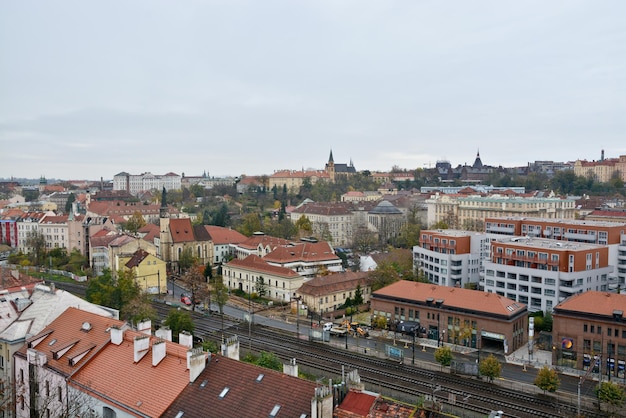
column 196, row 284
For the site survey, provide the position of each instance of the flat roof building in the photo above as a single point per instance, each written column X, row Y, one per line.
column 543, row 272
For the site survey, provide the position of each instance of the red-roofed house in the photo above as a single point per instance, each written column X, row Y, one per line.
column 253, row 275
column 306, row 258
column 224, row 240
column 84, row 364
column 455, row 315
column 150, row 271
column 587, row 325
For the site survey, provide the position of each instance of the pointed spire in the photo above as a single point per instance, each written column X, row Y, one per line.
column 164, row 198
column 330, row 159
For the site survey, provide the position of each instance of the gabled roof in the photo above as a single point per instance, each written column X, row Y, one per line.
column 72, row 334
column 137, row 258
column 181, row 230
column 326, row 209
column 256, row 263
column 47, row 305
column 306, row 252
column 252, row 243
column 323, row 285
column 149, row 232
column 253, row 391
column 594, row 303
column 113, row 376
column 452, row 297
column 222, row 236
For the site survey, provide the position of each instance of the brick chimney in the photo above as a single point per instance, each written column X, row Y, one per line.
column 141, row 347
column 158, row 352
column 117, row 335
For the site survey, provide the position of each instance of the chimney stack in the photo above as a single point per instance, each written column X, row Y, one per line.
column 186, row 339
column 158, row 352
column 117, row 335
column 145, row 327
column 141, row 347
column 196, row 362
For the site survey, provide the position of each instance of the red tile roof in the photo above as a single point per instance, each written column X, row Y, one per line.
column 305, row 252
column 356, row 404
column 70, row 330
column 249, row 395
column 151, row 232
column 323, row 285
column 256, row 263
column 592, row 302
column 453, row 297
column 137, row 258
column 181, row 230
column 113, row 375
column 253, row 242
column 222, row 236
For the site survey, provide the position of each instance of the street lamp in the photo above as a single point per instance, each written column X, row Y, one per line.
column 413, row 358
column 297, row 299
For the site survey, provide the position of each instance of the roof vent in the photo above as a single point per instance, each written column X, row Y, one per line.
column 86, row 327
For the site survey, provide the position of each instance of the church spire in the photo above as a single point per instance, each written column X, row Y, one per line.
column 330, row 159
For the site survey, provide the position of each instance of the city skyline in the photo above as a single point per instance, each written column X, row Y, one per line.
column 90, row 90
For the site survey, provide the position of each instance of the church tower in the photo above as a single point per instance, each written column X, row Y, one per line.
column 330, row 167
column 164, row 229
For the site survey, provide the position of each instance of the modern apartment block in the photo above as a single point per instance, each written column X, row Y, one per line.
column 610, row 234
column 451, row 258
column 542, row 272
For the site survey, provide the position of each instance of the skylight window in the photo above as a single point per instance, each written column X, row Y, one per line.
column 260, row 377
column 204, row 383
column 275, row 411
column 54, row 340
column 180, row 414
column 224, row 392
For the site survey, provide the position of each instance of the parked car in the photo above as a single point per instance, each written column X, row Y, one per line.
column 185, row 299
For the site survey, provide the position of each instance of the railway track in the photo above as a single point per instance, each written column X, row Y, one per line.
column 400, row 381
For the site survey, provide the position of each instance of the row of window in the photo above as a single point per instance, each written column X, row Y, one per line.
column 610, row 331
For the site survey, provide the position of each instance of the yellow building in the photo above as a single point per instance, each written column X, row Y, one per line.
column 149, row 271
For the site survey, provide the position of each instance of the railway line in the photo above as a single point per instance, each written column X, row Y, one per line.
column 400, row 381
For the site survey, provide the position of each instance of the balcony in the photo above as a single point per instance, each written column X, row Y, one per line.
column 501, row 229
column 579, row 237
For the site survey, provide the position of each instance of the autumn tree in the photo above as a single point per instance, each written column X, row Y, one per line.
column 186, row 259
column 490, row 368
column 195, row 283
column 220, row 295
column 135, row 223
column 36, row 244
column 304, row 226
column 251, row 223
column 611, row 393
column 443, row 355
column 547, row 380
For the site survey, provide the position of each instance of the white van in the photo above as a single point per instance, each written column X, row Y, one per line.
column 328, row 326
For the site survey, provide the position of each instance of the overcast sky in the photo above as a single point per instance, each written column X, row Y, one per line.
column 92, row 88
